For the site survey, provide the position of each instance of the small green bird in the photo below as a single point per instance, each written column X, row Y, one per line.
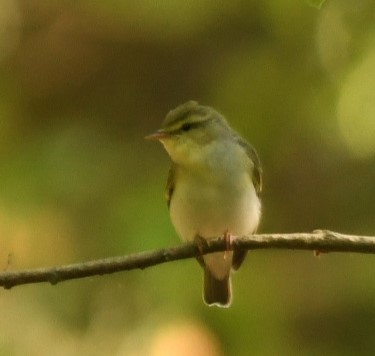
column 213, row 188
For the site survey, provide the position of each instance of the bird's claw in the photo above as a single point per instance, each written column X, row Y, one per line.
column 201, row 243
column 228, row 243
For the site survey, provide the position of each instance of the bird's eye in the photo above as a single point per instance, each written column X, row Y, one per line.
column 186, row 127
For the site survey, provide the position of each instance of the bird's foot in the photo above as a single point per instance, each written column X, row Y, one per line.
column 228, row 243
column 201, row 243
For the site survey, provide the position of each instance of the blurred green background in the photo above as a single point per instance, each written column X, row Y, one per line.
column 81, row 84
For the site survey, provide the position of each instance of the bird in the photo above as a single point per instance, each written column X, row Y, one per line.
column 213, row 189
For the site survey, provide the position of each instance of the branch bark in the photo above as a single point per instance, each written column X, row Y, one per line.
column 321, row 241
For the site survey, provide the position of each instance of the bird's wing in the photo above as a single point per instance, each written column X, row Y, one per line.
column 256, row 176
column 170, row 184
column 256, row 172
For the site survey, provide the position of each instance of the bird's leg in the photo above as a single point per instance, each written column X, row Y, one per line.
column 228, row 242
column 202, row 244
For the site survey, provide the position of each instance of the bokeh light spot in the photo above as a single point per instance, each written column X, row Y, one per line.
column 356, row 108
column 185, row 339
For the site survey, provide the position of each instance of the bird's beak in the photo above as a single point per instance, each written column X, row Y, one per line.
column 158, row 135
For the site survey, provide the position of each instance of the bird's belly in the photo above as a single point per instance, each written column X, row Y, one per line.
column 211, row 211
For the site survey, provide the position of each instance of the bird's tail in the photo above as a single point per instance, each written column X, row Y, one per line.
column 216, row 291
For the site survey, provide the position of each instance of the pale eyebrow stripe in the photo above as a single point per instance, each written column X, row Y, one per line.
column 198, row 111
column 193, row 124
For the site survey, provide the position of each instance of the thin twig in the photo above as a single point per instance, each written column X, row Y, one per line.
column 319, row 241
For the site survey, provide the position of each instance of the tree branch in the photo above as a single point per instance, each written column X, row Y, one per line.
column 318, row 241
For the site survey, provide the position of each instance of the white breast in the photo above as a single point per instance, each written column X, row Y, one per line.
column 209, row 210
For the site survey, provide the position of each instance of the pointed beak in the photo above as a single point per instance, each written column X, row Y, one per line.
column 158, row 135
